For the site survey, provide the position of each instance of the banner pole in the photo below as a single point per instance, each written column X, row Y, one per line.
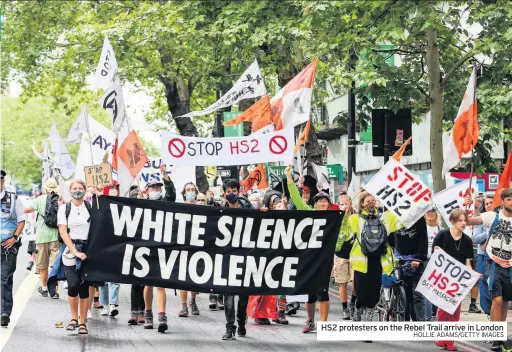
column 282, row 181
column 471, row 180
column 90, row 149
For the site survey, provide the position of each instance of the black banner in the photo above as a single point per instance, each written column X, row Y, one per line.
column 210, row 249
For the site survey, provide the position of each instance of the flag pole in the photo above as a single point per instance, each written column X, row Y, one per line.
column 472, row 149
column 90, row 149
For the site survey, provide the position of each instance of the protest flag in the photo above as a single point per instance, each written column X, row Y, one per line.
column 505, row 180
column 132, row 154
column 79, row 127
column 258, row 177
column 107, row 66
column 259, row 114
column 303, row 138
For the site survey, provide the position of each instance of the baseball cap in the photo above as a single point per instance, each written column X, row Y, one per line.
column 154, row 184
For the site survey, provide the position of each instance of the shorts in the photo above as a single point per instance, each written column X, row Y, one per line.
column 46, row 254
column 320, row 296
column 341, row 270
column 501, row 286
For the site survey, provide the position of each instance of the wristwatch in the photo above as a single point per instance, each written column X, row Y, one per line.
column 15, row 236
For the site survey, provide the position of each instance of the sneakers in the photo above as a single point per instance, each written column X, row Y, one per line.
column 358, row 312
column 351, row 309
column 43, row 293
column 310, row 326
column 262, row 321
column 162, row 323
column 184, row 311
column 229, row 335
column 30, row 265
column 345, row 314
column 290, row 309
column 220, row 302
column 5, row 320
column 281, row 318
column 474, row 309
column 194, row 309
column 148, row 320
column 105, row 311
column 140, row 317
column 496, row 345
column 56, row 295
column 241, row 330
column 113, row 310
column 133, row 318
column 213, row 303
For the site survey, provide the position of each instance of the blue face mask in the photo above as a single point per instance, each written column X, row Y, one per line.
column 191, row 196
column 232, row 198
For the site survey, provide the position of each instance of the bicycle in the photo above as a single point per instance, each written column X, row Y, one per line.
column 392, row 303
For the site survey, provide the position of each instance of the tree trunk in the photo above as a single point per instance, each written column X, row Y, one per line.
column 436, row 109
column 178, row 100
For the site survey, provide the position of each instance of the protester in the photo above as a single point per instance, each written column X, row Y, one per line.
column 255, row 200
column 136, row 291
column 74, row 221
column 321, row 202
column 342, row 271
column 47, row 237
column 12, row 221
column 433, row 221
column 411, row 245
column 154, row 189
column 370, row 261
column 232, row 198
column 458, row 245
column 500, row 225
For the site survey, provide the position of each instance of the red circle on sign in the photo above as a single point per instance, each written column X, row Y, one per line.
column 278, row 144
column 175, row 149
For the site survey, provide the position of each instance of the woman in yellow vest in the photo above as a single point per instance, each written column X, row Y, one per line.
column 368, row 269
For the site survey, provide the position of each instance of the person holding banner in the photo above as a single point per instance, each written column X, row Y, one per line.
column 74, row 220
column 433, row 221
column 460, row 246
column 189, row 194
column 321, row 201
column 231, row 190
column 154, row 190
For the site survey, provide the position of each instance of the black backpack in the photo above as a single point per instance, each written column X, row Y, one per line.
column 51, row 210
column 374, row 237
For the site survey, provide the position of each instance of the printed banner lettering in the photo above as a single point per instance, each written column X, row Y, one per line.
column 107, row 66
column 249, row 85
column 211, row 249
column 401, row 192
column 254, row 149
column 455, row 197
column 446, row 281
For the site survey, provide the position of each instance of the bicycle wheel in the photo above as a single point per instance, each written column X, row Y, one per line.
column 398, row 303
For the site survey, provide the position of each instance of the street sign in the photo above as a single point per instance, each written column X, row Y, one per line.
column 399, row 129
column 236, row 130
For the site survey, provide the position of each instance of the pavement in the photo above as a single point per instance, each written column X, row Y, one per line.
column 34, row 318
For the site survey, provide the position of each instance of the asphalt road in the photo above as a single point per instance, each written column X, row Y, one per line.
column 35, row 330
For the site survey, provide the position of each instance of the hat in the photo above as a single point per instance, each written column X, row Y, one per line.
column 322, row 195
column 2, row 174
column 306, row 188
column 154, row 184
column 51, row 185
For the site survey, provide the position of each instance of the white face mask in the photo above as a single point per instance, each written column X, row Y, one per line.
column 154, row 195
column 113, row 192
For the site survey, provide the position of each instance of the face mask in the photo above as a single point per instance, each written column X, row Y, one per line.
column 113, row 192
column 255, row 205
column 77, row 194
column 190, row 196
column 154, row 195
column 232, row 198
column 200, row 202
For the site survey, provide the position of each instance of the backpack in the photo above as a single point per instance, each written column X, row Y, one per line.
column 51, row 210
column 374, row 237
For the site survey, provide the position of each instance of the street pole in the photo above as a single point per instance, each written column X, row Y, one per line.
column 351, row 162
column 386, row 139
column 220, row 127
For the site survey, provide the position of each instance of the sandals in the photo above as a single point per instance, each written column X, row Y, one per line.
column 72, row 325
column 82, row 329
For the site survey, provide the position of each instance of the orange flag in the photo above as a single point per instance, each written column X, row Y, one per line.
column 132, row 154
column 505, row 179
column 259, row 114
column 257, row 176
column 400, row 152
column 303, row 138
column 114, row 155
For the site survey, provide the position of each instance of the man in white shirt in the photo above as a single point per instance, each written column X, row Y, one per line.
column 499, row 249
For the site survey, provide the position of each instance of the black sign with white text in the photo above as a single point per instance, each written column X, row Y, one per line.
column 211, row 249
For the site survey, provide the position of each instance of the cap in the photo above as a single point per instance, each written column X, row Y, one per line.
column 154, row 184
column 51, row 185
column 322, row 195
column 306, row 188
column 2, row 174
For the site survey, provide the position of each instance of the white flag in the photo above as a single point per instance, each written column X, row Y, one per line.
column 322, row 176
column 62, row 159
column 113, row 102
column 107, row 66
column 355, row 185
column 79, row 127
column 249, row 85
